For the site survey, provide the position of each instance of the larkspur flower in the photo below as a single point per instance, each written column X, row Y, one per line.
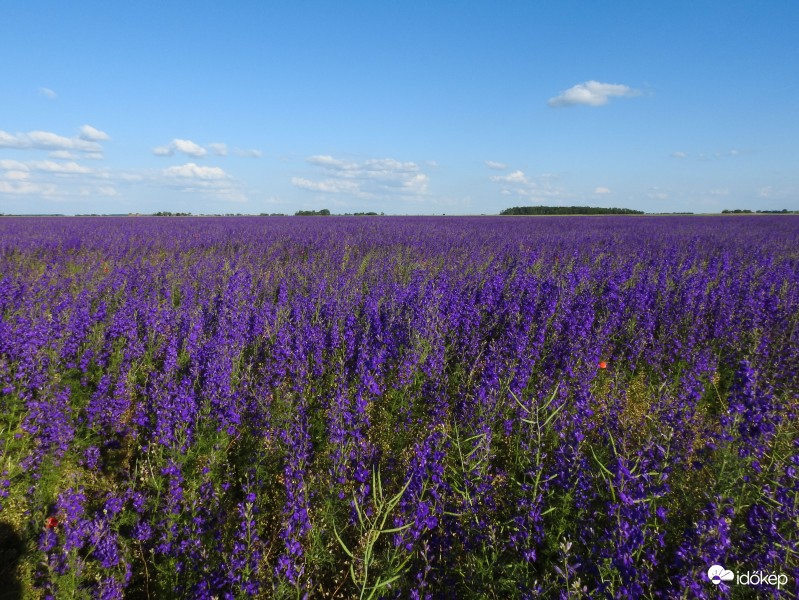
column 224, row 389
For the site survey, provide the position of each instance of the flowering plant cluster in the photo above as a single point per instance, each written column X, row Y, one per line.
column 398, row 408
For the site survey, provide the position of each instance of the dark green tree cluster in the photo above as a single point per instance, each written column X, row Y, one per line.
column 165, row 213
column 568, row 210
column 312, row 213
column 746, row 211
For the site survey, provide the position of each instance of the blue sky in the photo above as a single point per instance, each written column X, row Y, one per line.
column 398, row 107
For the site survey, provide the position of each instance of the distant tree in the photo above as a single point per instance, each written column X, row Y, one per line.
column 568, row 210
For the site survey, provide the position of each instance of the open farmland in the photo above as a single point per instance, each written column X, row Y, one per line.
column 398, row 407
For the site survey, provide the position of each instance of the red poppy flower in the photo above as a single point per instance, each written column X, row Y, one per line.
column 603, row 364
column 51, row 522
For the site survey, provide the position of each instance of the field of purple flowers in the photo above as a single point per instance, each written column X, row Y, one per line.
column 398, row 407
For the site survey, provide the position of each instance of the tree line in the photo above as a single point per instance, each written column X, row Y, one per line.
column 568, row 210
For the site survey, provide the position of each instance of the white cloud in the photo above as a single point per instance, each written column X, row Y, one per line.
column 782, row 194
column 194, row 171
column 498, row 166
column 371, row 178
column 373, row 168
column 130, row 177
column 63, row 154
column 328, row 186
column 656, row 193
column 328, row 161
column 601, row 190
column 218, row 148
column 417, row 184
column 384, row 165
column 46, row 140
column 13, row 165
column 49, row 179
column 70, row 168
column 591, row 93
column 56, row 190
column 61, row 180
column 52, row 141
column 47, row 93
column 710, row 156
column 55, row 180
column 208, row 181
column 188, row 147
column 26, row 188
column 517, row 183
column 48, row 166
column 89, row 133
column 108, row 191
column 195, row 150
column 515, row 177
column 247, row 153
column 177, row 145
